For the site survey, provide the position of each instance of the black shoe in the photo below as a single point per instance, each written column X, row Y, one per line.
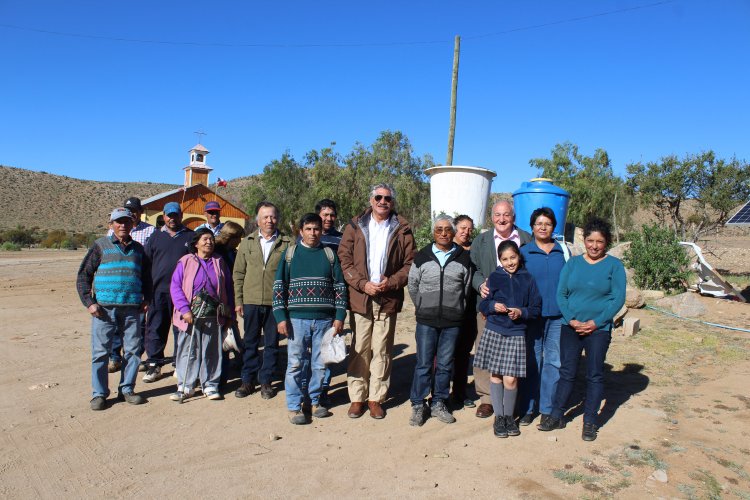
column 266, row 391
column 551, row 423
column 245, row 390
column 99, row 403
column 589, row 432
column 499, row 427
column 511, row 427
column 131, row 397
column 527, row 419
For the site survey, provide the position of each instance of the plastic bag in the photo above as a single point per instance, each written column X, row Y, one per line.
column 332, row 348
column 230, row 337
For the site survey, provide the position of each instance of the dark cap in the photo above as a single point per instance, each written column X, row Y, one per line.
column 134, row 203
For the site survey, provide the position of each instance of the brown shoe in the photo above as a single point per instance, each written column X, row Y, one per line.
column 356, row 410
column 484, row 410
column 376, row 411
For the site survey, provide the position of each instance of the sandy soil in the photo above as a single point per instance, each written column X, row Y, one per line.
column 679, row 407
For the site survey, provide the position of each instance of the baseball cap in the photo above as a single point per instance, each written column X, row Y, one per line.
column 172, row 208
column 133, row 203
column 212, row 205
column 119, row 213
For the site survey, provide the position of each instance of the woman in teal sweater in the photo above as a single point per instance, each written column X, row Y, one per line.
column 590, row 292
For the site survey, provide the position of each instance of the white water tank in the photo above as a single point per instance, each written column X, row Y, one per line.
column 457, row 190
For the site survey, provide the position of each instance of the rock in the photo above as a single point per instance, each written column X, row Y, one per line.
column 274, row 437
column 619, row 250
column 685, row 304
column 634, row 298
column 620, row 315
column 441, row 455
column 631, row 326
column 652, row 294
column 659, row 475
column 630, row 276
column 552, row 439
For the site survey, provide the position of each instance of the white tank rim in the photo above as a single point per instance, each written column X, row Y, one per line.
column 460, row 168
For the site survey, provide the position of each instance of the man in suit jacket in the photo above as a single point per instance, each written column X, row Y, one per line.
column 484, row 257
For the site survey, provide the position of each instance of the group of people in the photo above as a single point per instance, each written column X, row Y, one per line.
column 520, row 301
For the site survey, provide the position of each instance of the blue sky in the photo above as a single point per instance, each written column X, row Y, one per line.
column 114, row 90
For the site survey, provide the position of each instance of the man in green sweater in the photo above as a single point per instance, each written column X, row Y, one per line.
column 309, row 296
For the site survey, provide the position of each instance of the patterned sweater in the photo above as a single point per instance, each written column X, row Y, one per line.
column 309, row 287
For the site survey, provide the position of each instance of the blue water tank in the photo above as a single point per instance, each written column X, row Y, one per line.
column 540, row 193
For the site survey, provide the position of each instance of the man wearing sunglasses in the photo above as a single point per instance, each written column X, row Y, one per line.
column 376, row 253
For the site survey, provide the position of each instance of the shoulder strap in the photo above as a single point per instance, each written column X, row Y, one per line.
column 566, row 250
column 290, row 253
column 329, row 254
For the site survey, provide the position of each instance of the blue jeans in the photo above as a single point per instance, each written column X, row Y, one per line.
column 115, row 321
column 571, row 345
column 259, row 318
column 542, row 365
column 305, row 367
column 434, row 345
column 116, row 353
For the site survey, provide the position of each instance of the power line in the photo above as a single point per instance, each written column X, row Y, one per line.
column 333, row 44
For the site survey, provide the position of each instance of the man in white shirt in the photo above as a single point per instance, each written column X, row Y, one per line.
column 376, row 252
column 254, row 272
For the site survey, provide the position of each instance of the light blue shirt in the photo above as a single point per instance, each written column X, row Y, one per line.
column 442, row 256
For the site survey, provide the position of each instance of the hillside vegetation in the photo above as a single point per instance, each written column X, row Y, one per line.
column 48, row 201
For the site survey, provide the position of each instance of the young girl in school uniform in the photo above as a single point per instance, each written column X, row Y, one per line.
column 512, row 301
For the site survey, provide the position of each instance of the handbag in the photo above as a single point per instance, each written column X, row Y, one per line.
column 203, row 305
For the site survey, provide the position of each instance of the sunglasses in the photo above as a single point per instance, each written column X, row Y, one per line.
column 379, row 197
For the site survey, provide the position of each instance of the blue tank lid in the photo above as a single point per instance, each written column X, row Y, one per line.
column 541, row 185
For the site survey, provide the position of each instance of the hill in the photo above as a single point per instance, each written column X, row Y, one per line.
column 48, row 201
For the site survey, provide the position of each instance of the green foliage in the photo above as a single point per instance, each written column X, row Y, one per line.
column 9, row 246
column 68, row 244
column 657, row 258
column 594, row 188
column 54, row 239
column 296, row 187
column 715, row 188
column 20, row 236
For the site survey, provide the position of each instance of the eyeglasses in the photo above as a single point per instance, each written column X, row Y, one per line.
column 443, row 230
column 379, row 197
column 543, row 224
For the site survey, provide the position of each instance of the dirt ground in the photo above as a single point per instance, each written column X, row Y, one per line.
column 676, row 422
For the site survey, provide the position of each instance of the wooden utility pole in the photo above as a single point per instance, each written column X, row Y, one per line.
column 454, row 92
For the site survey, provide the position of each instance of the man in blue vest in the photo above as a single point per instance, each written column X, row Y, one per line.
column 114, row 284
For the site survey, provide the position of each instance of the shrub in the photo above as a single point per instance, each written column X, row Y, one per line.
column 54, row 239
column 20, row 236
column 657, row 258
column 9, row 246
column 68, row 244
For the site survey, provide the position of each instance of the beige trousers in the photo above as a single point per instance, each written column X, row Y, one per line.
column 481, row 377
column 369, row 373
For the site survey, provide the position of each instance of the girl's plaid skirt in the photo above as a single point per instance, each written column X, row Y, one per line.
column 501, row 355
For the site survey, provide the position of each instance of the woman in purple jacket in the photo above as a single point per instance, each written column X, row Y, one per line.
column 203, row 297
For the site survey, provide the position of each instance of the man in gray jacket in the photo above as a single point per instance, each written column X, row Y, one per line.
column 484, row 257
column 439, row 281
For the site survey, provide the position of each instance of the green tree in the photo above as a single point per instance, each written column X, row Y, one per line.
column 657, row 259
column 594, row 188
column 692, row 195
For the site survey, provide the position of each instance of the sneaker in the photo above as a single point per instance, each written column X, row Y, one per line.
column 527, row 419
column 179, row 395
column 213, row 394
column 98, row 403
column 551, row 423
column 511, row 427
column 320, row 411
column 499, row 427
column 440, row 411
column 266, row 391
column 589, row 432
column 114, row 366
column 152, row 374
column 142, row 367
column 469, row 403
column 245, row 390
column 296, row 417
column 419, row 415
column 131, row 397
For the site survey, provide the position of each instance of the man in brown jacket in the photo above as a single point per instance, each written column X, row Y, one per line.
column 376, row 252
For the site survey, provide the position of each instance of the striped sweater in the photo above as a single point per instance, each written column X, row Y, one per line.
column 309, row 287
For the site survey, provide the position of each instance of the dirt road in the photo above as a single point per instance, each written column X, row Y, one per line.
column 677, row 403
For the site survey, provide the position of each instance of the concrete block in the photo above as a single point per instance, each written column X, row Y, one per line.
column 631, row 326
